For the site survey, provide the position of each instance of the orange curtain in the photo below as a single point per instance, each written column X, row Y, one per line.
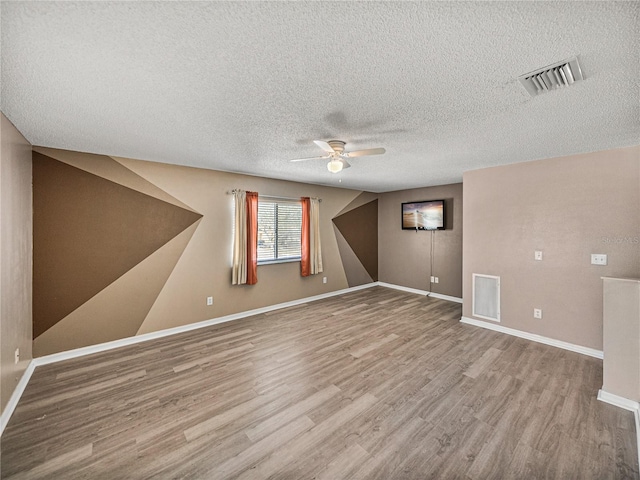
column 252, row 238
column 305, row 243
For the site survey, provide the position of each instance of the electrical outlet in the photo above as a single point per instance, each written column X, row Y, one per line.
column 324, row 279
column 17, row 355
column 437, row 280
column 537, row 255
column 598, row 259
column 537, row 313
column 209, row 300
column 433, row 279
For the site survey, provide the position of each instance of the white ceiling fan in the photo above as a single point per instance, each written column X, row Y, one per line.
column 337, row 156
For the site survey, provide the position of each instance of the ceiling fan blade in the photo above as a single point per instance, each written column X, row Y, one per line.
column 310, row 158
column 345, row 164
column 362, row 153
column 324, row 145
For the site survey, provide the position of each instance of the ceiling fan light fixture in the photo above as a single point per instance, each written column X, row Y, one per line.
column 334, row 165
column 338, row 156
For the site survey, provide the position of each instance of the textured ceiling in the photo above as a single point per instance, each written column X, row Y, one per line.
column 247, row 86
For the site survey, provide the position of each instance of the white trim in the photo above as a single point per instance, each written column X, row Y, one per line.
column 404, row 289
column 636, row 414
column 618, row 401
column 627, row 404
column 419, row 292
column 534, row 337
column 101, row 347
column 442, row 296
column 15, row 396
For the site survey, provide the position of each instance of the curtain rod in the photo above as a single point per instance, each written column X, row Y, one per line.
column 231, row 192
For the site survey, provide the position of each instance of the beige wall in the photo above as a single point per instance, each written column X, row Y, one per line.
column 404, row 256
column 206, row 266
column 569, row 208
column 15, row 256
column 621, row 338
column 168, row 288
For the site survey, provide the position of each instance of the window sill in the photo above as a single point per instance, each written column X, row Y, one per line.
column 283, row 260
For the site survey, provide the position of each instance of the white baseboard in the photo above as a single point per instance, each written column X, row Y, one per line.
column 636, row 414
column 534, row 337
column 419, row 292
column 103, row 347
column 627, row 404
column 15, row 396
column 618, row 401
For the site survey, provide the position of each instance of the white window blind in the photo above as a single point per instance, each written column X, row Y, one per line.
column 279, row 224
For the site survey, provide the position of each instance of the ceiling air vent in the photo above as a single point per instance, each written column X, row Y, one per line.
column 561, row 74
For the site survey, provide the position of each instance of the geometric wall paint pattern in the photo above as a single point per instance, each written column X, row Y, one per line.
column 98, row 227
column 356, row 229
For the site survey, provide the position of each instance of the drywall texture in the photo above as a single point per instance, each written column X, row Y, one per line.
column 15, row 256
column 240, row 85
column 124, row 247
column 569, row 208
column 404, row 256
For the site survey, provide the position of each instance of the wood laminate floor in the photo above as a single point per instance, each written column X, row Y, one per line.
column 374, row 384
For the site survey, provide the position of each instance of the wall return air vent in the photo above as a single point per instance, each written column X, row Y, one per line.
column 557, row 75
column 486, row 297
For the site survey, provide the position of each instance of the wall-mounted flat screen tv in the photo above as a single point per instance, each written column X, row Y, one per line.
column 425, row 215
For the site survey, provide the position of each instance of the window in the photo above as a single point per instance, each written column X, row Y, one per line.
column 279, row 224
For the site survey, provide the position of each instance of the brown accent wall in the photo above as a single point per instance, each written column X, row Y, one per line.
column 126, row 247
column 88, row 232
column 359, row 228
column 569, row 208
column 404, row 256
column 15, row 256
